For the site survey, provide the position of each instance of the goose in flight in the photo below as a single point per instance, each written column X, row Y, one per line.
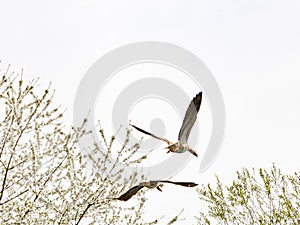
column 151, row 184
column 189, row 119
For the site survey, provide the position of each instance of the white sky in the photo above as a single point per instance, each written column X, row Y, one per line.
column 252, row 47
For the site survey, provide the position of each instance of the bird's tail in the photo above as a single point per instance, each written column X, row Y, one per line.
column 193, row 152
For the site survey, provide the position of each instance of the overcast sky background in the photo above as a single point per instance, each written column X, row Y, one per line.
column 252, row 48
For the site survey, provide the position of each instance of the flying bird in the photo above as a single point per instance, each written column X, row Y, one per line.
column 151, row 184
column 188, row 122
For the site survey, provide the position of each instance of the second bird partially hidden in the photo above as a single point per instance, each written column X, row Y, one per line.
column 151, row 184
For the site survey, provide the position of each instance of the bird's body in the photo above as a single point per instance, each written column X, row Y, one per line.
column 188, row 122
column 178, row 147
column 151, row 184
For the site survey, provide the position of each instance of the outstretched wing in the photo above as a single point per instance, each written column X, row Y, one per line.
column 152, row 135
column 132, row 191
column 189, row 118
column 185, row 184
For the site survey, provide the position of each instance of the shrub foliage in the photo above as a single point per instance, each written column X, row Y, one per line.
column 269, row 197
